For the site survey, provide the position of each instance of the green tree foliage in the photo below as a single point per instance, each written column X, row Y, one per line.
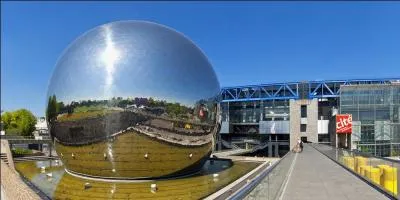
column 52, row 108
column 21, row 122
column 175, row 109
column 7, row 119
column 60, row 107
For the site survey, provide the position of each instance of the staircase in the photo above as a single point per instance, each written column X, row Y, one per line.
column 229, row 145
column 234, row 146
column 3, row 157
column 259, row 147
column 35, row 158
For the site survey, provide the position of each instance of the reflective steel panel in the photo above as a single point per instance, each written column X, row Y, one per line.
column 133, row 99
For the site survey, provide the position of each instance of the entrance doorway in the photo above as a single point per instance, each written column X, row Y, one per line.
column 303, row 139
column 344, row 141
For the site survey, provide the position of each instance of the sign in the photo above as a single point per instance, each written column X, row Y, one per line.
column 344, row 123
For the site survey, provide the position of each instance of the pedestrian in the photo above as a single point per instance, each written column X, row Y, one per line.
column 301, row 146
column 298, row 145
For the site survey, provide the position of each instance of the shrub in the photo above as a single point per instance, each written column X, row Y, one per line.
column 21, row 151
column 13, row 131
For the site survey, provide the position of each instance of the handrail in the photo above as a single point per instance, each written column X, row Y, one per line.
column 260, row 146
column 234, row 146
column 371, row 155
column 364, row 154
column 19, row 137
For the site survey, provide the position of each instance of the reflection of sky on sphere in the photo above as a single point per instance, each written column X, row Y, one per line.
column 133, row 59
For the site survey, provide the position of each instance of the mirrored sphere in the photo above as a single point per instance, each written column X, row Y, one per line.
column 133, row 99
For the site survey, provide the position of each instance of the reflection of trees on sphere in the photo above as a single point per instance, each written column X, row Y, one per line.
column 128, row 89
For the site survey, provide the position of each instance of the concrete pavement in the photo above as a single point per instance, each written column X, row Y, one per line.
column 314, row 176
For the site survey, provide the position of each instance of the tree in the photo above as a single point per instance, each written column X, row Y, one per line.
column 60, row 107
column 152, row 103
column 52, row 108
column 20, row 122
column 26, row 121
column 7, row 119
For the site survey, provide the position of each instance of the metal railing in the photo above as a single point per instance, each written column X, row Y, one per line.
column 260, row 147
column 18, row 137
column 379, row 172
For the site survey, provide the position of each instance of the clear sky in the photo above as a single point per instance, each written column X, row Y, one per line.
column 247, row 43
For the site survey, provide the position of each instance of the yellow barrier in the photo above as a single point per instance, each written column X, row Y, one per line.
column 360, row 161
column 381, row 167
column 343, row 160
column 363, row 168
column 389, row 178
column 373, row 174
column 383, row 175
column 349, row 162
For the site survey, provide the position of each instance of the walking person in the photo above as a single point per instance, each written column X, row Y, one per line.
column 298, row 146
column 301, row 146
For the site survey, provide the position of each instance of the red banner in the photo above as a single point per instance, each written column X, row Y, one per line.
column 344, row 123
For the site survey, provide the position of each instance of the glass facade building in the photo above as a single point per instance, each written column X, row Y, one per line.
column 247, row 124
column 273, row 116
column 255, row 111
column 375, row 111
column 249, row 116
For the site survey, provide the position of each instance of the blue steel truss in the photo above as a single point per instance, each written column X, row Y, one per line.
column 261, row 92
column 276, row 91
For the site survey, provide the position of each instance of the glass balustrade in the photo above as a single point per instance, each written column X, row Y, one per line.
column 379, row 171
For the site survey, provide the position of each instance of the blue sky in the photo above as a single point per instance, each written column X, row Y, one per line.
column 247, row 43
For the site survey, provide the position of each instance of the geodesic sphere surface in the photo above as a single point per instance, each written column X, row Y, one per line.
column 133, row 99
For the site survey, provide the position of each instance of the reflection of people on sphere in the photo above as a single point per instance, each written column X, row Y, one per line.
column 203, row 112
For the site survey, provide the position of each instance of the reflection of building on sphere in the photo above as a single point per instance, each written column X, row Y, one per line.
column 129, row 100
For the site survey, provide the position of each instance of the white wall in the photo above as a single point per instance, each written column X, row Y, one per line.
column 323, row 126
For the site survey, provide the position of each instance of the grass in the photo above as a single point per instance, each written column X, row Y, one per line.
column 21, row 151
column 84, row 114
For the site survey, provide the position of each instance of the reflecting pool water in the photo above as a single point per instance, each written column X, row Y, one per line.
column 51, row 178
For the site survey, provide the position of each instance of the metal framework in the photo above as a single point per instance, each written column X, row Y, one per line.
column 292, row 90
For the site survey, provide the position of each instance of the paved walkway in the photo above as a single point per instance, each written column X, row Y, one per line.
column 3, row 196
column 314, row 176
column 13, row 187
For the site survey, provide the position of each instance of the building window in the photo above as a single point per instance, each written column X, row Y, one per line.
column 303, row 127
column 367, row 133
column 303, row 111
